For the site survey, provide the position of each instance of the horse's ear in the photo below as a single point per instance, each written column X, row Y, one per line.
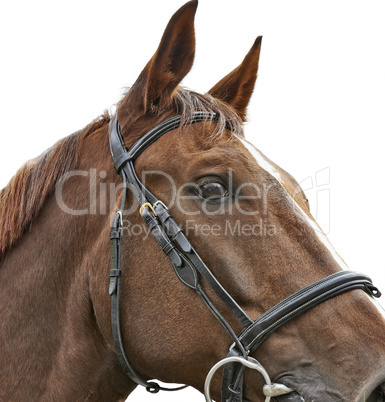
column 173, row 59
column 237, row 87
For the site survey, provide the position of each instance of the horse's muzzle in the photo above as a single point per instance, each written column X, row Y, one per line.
column 377, row 395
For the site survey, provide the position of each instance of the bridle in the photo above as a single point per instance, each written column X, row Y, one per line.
column 190, row 269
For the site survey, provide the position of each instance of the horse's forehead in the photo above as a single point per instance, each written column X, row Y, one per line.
column 230, row 149
column 204, row 136
column 261, row 160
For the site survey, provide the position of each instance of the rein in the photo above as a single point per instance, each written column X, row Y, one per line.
column 190, row 269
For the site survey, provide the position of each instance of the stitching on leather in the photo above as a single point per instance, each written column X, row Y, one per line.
column 259, row 320
column 293, row 311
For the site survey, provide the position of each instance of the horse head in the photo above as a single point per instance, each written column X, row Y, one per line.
column 251, row 223
column 249, row 250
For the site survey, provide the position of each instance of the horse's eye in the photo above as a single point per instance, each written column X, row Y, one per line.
column 213, row 191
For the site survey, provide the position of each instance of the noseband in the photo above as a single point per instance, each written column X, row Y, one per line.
column 190, row 270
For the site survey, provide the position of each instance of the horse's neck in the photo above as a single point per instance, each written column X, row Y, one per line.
column 52, row 343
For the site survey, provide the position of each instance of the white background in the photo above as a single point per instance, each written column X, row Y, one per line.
column 319, row 102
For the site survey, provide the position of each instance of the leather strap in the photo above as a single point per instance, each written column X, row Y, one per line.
column 114, row 290
column 232, row 380
column 143, row 196
column 189, row 268
column 185, row 266
column 172, row 229
column 296, row 304
column 301, row 301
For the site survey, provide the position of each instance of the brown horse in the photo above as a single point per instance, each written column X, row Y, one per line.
column 244, row 215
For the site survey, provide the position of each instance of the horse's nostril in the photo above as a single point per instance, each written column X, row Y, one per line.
column 378, row 395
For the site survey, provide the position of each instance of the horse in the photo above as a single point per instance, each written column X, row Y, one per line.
column 175, row 314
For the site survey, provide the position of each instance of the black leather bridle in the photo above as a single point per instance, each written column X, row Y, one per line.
column 190, row 269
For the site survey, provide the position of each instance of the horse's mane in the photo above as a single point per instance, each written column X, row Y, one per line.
column 23, row 198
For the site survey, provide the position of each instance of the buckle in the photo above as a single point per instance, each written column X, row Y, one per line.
column 120, row 213
column 147, row 204
column 160, row 203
